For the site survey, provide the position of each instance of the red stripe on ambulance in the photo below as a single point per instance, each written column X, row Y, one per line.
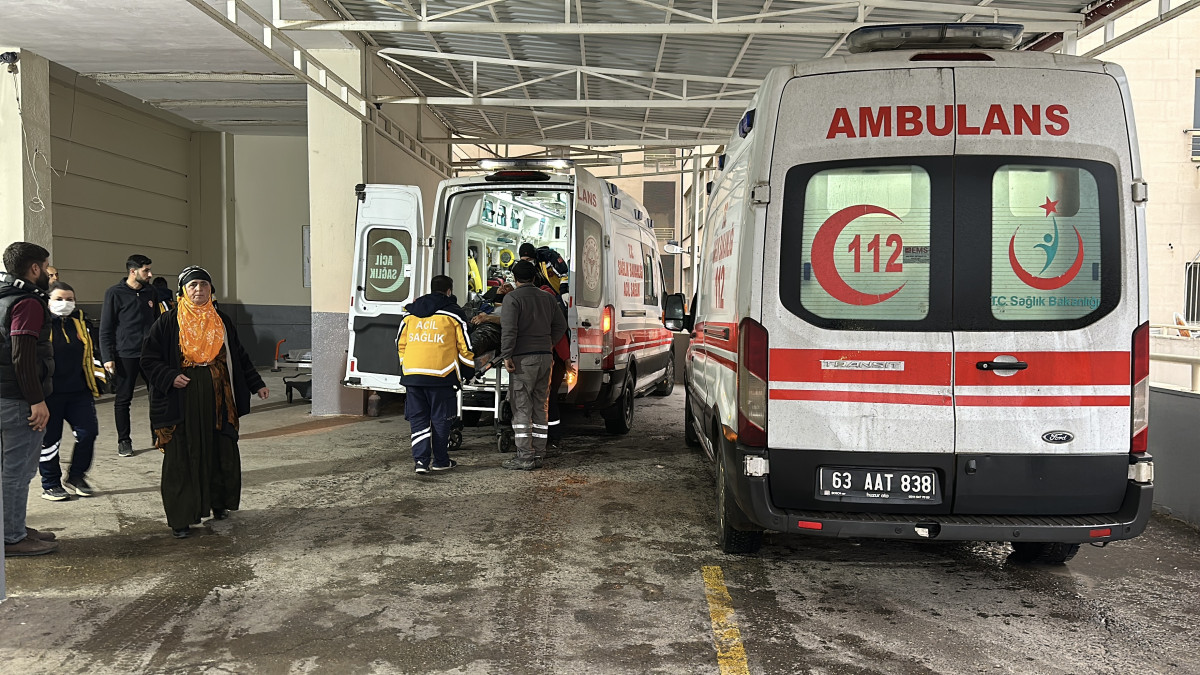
column 860, row 367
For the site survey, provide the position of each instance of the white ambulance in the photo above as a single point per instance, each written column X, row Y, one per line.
column 620, row 348
column 922, row 308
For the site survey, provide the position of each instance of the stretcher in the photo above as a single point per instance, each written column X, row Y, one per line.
column 486, row 392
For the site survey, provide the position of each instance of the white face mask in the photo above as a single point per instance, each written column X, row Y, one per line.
column 62, row 307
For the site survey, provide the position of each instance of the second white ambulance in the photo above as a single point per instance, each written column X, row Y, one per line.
column 922, row 308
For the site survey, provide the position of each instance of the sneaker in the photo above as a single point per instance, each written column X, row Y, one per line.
column 39, row 535
column 29, row 546
column 125, row 448
column 422, row 467
column 79, row 486
column 55, row 495
column 521, row 464
column 449, row 466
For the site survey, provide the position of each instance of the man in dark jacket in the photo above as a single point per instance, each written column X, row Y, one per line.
column 130, row 307
column 435, row 355
column 26, row 379
column 530, row 326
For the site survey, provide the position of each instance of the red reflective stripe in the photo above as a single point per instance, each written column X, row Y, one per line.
column 730, row 343
column 1045, row 369
column 720, row 359
column 1042, row 401
column 858, row 397
column 804, row 365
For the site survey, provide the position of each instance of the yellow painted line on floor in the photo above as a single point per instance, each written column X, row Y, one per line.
column 731, row 655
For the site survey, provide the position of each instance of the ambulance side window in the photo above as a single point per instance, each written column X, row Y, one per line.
column 1046, row 243
column 588, row 283
column 388, row 265
column 649, row 293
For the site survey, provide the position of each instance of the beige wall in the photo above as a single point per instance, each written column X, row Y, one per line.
column 270, row 208
column 1162, row 66
column 120, row 187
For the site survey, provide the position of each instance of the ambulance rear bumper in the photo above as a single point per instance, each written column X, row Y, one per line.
column 1128, row 522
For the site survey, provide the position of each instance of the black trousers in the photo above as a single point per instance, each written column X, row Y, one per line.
column 128, row 371
column 553, row 419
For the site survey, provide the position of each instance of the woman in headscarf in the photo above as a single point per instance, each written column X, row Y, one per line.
column 200, row 384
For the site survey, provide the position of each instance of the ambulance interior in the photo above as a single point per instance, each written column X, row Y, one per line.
column 493, row 224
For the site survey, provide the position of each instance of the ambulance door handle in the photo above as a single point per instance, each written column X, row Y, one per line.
column 585, row 323
column 633, row 312
column 1001, row 365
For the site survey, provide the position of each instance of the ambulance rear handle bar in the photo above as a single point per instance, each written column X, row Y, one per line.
column 1002, row 365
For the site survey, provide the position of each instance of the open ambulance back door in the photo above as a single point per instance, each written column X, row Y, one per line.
column 388, row 273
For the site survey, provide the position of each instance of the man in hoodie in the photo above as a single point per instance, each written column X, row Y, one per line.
column 530, row 326
column 130, row 307
column 26, row 379
column 435, row 356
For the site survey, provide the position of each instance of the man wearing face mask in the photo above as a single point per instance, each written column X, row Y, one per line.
column 130, row 308
column 26, row 379
column 76, row 373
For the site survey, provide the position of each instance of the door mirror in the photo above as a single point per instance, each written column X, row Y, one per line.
column 673, row 248
column 673, row 313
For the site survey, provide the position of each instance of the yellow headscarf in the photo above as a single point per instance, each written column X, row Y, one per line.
column 201, row 331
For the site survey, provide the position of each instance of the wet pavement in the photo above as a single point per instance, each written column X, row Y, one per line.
column 341, row 560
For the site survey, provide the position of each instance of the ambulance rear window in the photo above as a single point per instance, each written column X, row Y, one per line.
column 866, row 254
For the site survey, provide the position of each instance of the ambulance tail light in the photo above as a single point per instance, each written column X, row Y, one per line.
column 1140, row 410
column 608, row 359
column 753, row 345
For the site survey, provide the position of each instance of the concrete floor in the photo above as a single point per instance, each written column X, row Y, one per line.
column 343, row 561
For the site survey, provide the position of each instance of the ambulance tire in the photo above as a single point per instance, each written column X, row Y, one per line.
column 1043, row 552
column 618, row 417
column 690, row 437
column 665, row 387
column 731, row 539
column 470, row 418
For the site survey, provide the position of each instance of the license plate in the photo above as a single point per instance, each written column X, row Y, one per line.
column 874, row 485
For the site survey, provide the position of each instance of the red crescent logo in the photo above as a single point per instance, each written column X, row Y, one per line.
column 1053, row 282
column 822, row 256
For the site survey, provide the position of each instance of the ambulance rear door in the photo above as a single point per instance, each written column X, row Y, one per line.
column 856, row 293
column 388, row 268
column 1046, row 292
column 589, row 271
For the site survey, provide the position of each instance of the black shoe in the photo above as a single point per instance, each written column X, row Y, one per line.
column 220, row 514
column 518, row 464
column 182, row 533
column 422, row 468
column 125, row 448
column 80, row 486
column 449, row 466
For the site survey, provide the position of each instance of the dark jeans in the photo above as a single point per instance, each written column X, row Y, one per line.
column 553, row 419
column 430, row 412
column 79, row 410
column 18, row 463
column 128, row 371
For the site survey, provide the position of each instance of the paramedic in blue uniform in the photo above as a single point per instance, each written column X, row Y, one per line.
column 435, row 357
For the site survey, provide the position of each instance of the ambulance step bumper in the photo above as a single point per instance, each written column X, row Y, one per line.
column 1127, row 523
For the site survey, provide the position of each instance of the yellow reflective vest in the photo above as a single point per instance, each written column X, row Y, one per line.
column 434, row 350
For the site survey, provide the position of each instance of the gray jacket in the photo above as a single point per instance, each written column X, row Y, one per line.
column 531, row 322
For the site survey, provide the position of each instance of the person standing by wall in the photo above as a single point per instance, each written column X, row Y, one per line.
column 26, row 379
column 76, row 386
column 52, row 273
column 435, row 355
column 130, row 307
column 530, row 326
column 200, row 384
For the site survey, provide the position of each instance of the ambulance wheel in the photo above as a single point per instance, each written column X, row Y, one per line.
column 470, row 418
column 690, row 437
column 455, row 440
column 731, row 539
column 1042, row 552
column 618, row 417
column 665, row 387
column 505, row 442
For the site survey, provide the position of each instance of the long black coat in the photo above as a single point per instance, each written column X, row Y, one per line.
column 161, row 363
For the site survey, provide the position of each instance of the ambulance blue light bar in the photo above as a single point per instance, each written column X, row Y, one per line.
column 935, row 36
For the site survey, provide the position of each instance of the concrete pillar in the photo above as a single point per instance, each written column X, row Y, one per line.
column 25, row 150
column 24, row 164
column 337, row 161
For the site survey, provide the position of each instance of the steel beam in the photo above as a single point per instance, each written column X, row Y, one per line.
column 479, row 102
column 226, row 103
column 690, row 29
column 585, row 142
column 255, row 78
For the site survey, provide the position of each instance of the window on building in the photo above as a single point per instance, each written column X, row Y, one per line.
column 1196, row 125
column 1192, row 288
